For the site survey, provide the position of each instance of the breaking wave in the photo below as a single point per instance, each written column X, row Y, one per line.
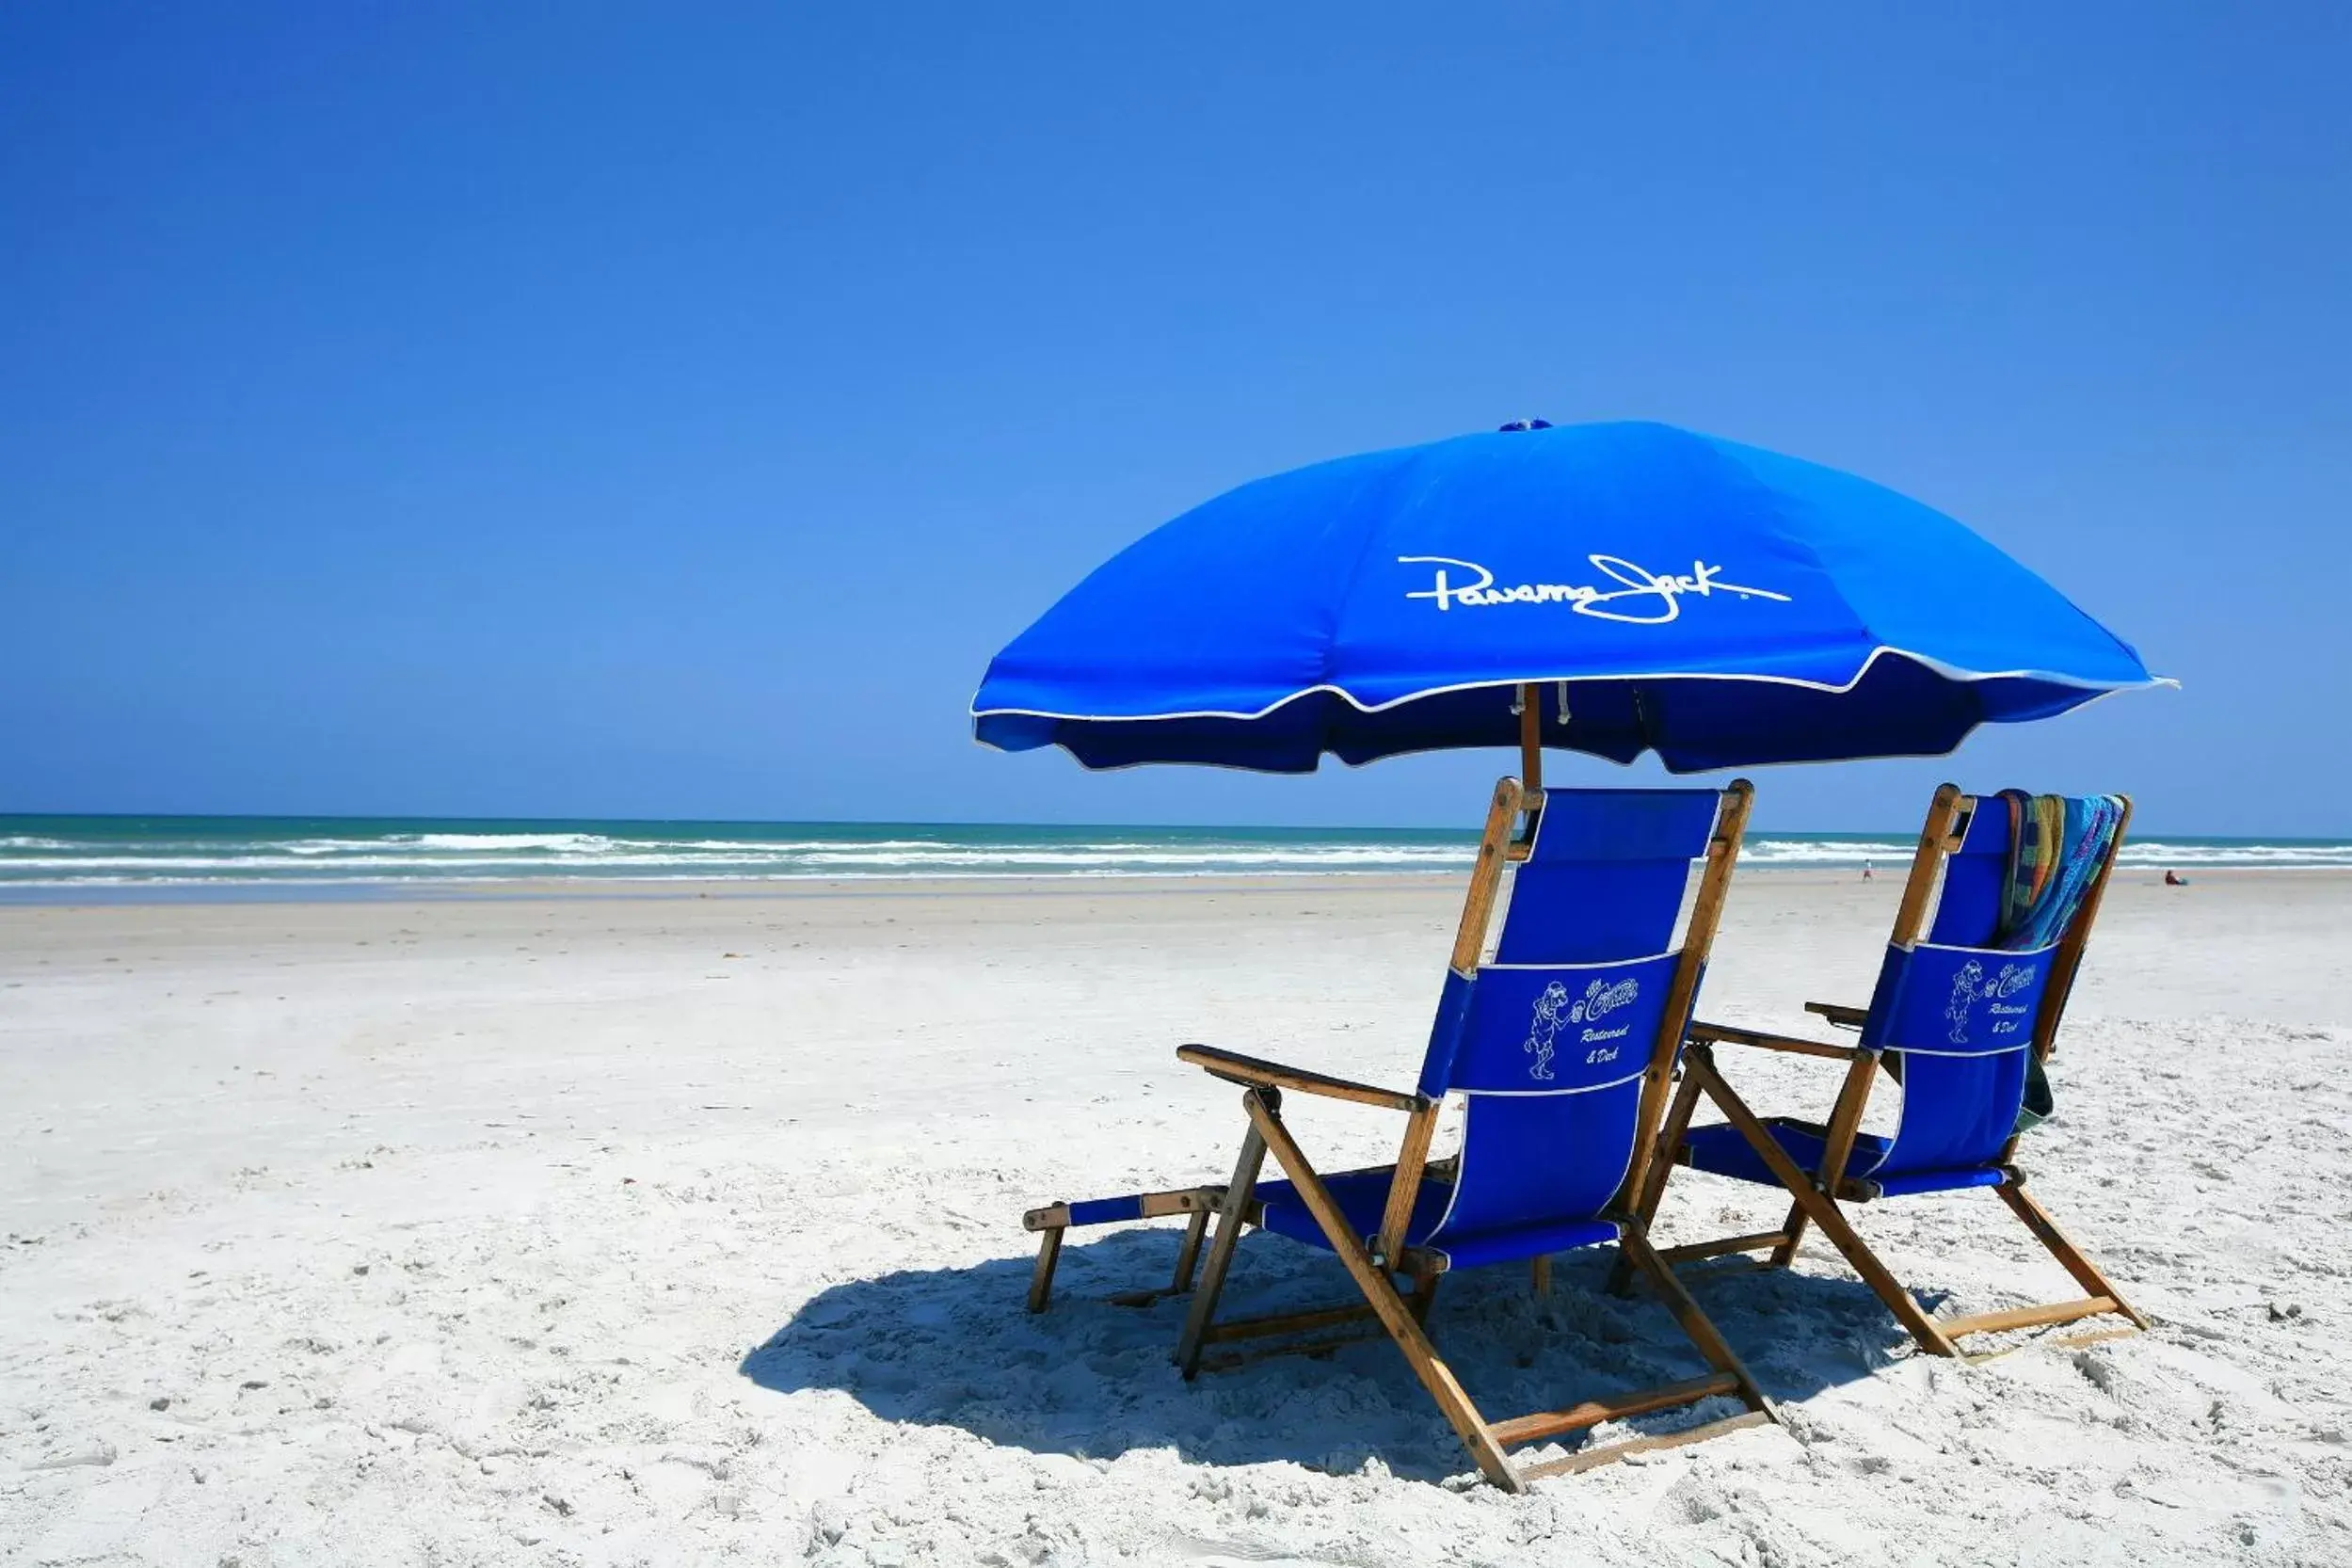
column 65, row 853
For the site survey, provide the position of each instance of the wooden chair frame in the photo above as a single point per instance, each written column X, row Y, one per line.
column 1818, row 1194
column 1375, row 1263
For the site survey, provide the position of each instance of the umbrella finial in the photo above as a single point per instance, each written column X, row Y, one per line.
column 1526, row 425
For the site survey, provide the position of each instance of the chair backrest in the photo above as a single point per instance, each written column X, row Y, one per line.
column 1965, row 1014
column 1555, row 1041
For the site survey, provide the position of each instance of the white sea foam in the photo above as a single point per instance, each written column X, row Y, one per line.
column 1812, row 852
column 185, row 856
column 2156, row 851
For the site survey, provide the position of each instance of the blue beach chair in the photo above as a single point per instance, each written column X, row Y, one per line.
column 1963, row 1023
column 1563, row 1046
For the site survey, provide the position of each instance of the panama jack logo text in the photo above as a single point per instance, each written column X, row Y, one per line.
column 1633, row 594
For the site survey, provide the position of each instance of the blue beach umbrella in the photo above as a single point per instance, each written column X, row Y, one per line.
column 1649, row 588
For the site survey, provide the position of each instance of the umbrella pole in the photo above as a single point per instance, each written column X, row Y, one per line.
column 1532, row 736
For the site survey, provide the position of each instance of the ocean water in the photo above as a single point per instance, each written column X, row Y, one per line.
column 43, row 858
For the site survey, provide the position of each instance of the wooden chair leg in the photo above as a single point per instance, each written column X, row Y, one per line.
column 1229, row 1222
column 1189, row 1254
column 1822, row 1210
column 2070, row 1256
column 1794, row 1228
column 1620, row 1281
column 1729, row 1378
column 1041, row 1278
column 2102, row 1300
column 1669, row 1139
column 1402, row 1318
column 1394, row 1316
column 1700, row 1329
column 1654, row 1180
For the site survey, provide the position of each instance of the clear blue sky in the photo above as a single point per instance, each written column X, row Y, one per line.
column 650, row 410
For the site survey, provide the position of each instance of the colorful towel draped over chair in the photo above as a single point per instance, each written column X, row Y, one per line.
column 2057, row 844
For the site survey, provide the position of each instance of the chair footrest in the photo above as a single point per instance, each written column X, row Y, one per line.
column 1588, row 1459
column 2027, row 1317
column 1550, row 1423
column 1137, row 1205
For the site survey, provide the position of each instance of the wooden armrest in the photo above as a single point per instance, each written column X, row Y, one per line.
column 1840, row 1016
column 1237, row 1068
column 1729, row 1035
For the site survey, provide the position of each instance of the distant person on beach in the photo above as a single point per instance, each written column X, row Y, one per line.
column 1865, row 871
column 2174, row 879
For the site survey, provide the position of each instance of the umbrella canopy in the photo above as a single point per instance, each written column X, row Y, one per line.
column 1717, row 603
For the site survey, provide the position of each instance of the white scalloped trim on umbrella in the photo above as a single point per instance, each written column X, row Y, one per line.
column 1949, row 671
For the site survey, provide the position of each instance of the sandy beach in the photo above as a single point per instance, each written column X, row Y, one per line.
column 685, row 1226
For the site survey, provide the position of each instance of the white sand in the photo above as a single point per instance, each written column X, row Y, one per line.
column 440, row 1233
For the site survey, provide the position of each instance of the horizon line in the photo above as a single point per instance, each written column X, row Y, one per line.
column 1468, row 831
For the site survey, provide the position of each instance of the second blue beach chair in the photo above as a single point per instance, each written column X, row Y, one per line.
column 1987, row 940
column 1562, row 1044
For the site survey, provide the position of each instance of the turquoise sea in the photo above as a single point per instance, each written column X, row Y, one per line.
column 63, row 858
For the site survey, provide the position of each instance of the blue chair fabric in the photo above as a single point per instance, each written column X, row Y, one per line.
column 1548, row 1044
column 1960, row 1012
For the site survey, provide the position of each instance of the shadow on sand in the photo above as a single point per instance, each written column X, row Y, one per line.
column 953, row 1346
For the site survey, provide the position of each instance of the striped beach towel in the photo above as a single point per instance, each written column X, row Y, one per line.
column 2056, row 846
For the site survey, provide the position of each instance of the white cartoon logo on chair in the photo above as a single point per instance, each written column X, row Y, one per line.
column 1553, row 1009
column 1969, row 987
